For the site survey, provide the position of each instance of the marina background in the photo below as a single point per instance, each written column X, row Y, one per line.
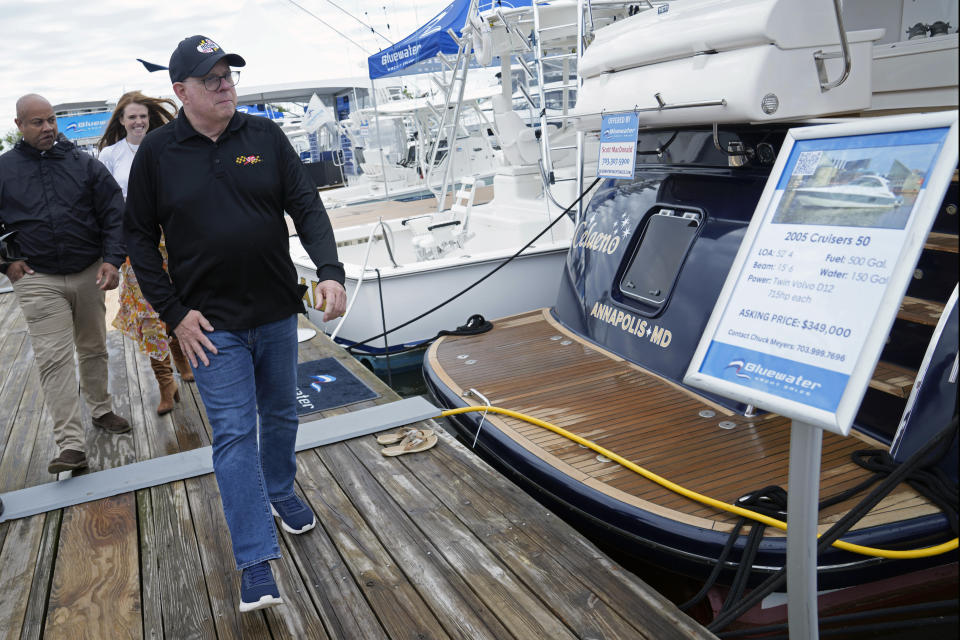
column 71, row 52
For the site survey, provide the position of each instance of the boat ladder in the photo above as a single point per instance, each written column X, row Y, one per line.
column 549, row 47
column 450, row 117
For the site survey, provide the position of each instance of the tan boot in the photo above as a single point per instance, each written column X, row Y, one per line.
column 180, row 360
column 169, row 393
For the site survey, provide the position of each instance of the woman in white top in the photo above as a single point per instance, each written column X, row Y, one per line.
column 134, row 116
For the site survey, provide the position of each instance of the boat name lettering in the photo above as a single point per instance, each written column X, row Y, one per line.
column 632, row 324
column 407, row 52
column 310, row 295
column 596, row 241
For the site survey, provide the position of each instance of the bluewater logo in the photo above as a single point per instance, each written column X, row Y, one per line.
column 738, row 366
column 769, row 376
column 320, row 380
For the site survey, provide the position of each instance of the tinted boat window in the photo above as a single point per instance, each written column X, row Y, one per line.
column 663, row 246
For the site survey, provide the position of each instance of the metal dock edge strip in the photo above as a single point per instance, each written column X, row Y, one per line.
column 197, row 462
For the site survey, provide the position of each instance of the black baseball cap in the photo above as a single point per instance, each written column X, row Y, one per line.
column 196, row 55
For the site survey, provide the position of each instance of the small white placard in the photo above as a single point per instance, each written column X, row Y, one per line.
column 618, row 146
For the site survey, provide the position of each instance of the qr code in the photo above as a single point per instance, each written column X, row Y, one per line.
column 807, row 163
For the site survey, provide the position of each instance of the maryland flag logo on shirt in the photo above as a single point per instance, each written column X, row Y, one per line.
column 246, row 161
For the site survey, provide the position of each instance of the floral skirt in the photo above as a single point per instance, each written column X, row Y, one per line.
column 137, row 319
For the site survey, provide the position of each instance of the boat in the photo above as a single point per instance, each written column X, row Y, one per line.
column 716, row 86
column 863, row 192
column 391, row 145
column 311, row 132
column 398, row 269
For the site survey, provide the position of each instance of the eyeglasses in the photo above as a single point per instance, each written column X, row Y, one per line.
column 212, row 83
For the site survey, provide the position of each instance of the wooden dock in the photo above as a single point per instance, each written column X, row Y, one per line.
column 428, row 545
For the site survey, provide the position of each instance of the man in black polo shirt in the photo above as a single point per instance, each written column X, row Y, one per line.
column 217, row 182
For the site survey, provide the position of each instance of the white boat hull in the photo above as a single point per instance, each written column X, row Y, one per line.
column 828, row 202
column 528, row 282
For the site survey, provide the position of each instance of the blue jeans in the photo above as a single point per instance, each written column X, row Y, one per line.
column 253, row 373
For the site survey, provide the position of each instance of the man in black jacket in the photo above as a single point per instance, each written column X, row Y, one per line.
column 218, row 183
column 67, row 210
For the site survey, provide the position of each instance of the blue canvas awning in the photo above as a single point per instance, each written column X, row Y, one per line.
column 415, row 53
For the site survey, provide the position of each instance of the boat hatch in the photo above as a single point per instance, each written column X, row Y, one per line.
column 663, row 246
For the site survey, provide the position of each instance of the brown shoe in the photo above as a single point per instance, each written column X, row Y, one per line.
column 68, row 460
column 169, row 393
column 180, row 360
column 112, row 423
column 168, row 387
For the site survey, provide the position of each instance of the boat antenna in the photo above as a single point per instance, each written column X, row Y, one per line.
column 330, row 26
column 386, row 20
column 367, row 24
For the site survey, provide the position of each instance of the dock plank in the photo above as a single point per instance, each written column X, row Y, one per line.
column 43, row 450
column 19, row 400
column 216, row 555
column 22, row 435
column 95, row 591
column 17, row 560
column 344, row 551
column 456, row 609
column 296, row 617
column 186, row 608
column 10, row 344
column 581, row 559
column 35, row 616
column 495, row 537
column 150, row 589
column 107, row 450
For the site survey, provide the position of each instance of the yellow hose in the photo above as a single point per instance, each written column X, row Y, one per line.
column 693, row 495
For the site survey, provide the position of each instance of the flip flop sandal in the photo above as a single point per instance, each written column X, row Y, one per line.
column 396, row 436
column 412, row 443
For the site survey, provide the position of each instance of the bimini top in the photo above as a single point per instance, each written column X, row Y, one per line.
column 415, row 53
column 725, row 61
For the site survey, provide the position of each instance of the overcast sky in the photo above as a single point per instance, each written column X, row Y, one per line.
column 71, row 51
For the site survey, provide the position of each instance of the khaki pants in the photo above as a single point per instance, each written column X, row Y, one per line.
column 63, row 312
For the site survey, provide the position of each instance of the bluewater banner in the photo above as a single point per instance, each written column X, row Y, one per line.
column 89, row 125
column 256, row 110
column 415, row 53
